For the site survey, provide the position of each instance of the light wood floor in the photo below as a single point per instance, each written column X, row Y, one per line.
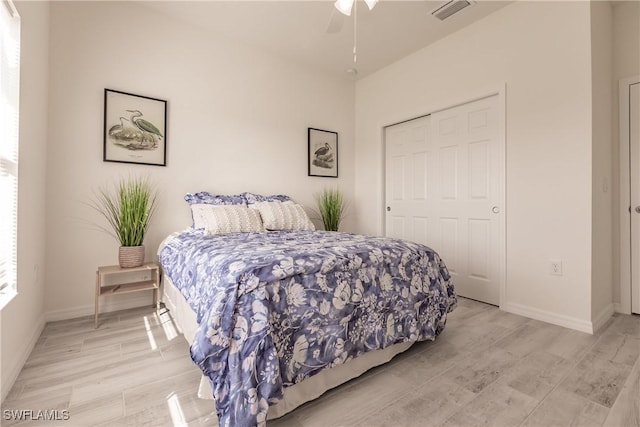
column 488, row 368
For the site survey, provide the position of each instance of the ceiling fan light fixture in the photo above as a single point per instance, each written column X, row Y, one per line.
column 344, row 6
column 371, row 3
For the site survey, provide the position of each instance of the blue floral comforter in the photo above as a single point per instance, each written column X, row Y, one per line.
column 276, row 307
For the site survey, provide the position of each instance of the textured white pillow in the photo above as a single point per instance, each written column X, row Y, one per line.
column 283, row 216
column 217, row 219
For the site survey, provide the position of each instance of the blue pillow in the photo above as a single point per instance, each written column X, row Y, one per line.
column 251, row 198
column 206, row 198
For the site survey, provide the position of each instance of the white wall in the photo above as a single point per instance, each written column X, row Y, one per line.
column 626, row 63
column 602, row 216
column 237, row 121
column 23, row 318
column 542, row 52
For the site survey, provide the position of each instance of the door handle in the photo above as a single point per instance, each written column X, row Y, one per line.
column 496, row 209
column 638, row 209
column 388, row 208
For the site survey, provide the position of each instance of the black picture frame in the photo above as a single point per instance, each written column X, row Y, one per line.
column 135, row 129
column 322, row 154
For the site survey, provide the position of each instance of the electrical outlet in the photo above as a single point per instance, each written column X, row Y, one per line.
column 555, row 267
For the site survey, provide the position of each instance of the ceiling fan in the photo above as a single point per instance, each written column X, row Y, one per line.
column 344, row 6
column 342, row 9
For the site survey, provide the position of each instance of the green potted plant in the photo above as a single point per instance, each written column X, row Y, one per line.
column 128, row 208
column 332, row 206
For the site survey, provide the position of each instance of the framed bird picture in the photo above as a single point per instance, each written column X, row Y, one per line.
column 135, row 129
column 323, row 153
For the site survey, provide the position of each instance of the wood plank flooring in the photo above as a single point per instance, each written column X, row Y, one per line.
column 488, row 368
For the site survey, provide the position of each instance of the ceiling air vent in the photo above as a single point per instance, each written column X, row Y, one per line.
column 450, row 8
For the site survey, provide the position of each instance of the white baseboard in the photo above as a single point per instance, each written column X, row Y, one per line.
column 22, row 354
column 618, row 308
column 603, row 317
column 112, row 303
column 549, row 317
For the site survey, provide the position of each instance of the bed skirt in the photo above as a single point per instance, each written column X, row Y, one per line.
column 298, row 394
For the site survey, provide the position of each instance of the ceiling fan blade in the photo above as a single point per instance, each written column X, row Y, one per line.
column 344, row 6
column 371, row 3
column 336, row 21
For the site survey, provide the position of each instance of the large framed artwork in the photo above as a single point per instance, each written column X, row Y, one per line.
column 323, row 153
column 135, row 129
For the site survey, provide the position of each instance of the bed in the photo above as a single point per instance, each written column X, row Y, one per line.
column 277, row 313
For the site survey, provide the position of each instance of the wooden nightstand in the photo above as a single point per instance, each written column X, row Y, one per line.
column 121, row 288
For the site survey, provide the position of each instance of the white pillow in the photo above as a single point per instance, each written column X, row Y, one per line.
column 283, row 216
column 217, row 219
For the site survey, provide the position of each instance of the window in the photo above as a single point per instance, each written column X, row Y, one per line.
column 9, row 111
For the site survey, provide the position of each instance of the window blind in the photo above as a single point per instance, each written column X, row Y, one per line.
column 9, row 119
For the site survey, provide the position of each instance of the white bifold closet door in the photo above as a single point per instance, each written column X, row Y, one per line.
column 445, row 187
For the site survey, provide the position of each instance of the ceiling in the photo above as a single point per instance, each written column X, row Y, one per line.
column 297, row 30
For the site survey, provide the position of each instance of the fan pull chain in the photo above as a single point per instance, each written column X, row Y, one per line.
column 355, row 31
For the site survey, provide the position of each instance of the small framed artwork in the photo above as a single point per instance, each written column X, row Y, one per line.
column 135, row 129
column 323, row 153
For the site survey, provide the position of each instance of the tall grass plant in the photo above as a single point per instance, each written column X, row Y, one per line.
column 128, row 208
column 332, row 207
